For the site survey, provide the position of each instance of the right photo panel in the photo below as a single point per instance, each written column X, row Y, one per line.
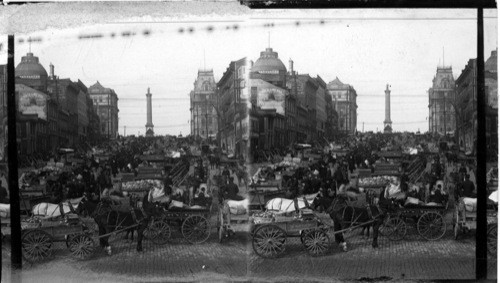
column 362, row 144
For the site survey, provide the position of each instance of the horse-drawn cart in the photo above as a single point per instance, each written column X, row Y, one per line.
column 193, row 223
column 269, row 239
column 465, row 220
column 428, row 220
column 240, row 219
column 38, row 236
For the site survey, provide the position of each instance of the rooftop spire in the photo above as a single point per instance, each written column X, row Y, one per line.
column 443, row 57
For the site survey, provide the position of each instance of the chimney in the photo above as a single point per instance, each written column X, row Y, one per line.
column 290, row 62
column 51, row 71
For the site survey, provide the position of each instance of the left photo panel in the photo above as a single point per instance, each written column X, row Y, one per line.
column 132, row 148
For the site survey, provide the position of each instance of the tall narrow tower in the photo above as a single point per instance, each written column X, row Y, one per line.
column 387, row 121
column 149, row 124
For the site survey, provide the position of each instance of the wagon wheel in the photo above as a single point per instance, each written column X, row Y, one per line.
column 302, row 234
column 160, row 232
column 394, row 228
column 148, row 234
column 269, row 241
column 36, row 245
column 431, row 226
column 195, row 229
column 316, row 242
column 492, row 240
column 81, row 246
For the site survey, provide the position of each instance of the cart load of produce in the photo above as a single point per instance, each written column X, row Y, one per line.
column 141, row 185
column 288, row 164
column 264, row 174
column 469, row 204
column 279, row 216
column 4, row 210
column 263, row 217
column 378, row 181
column 237, row 207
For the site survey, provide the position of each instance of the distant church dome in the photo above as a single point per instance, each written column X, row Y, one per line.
column 30, row 68
column 268, row 63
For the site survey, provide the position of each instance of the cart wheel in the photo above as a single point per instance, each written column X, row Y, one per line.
column 431, row 226
column 316, row 242
column 302, row 234
column 269, row 241
column 81, row 246
column 492, row 240
column 456, row 230
column 36, row 245
column 148, row 234
column 394, row 228
column 68, row 239
column 160, row 232
column 195, row 229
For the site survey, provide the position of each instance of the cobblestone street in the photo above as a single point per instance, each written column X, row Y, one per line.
column 410, row 259
column 234, row 260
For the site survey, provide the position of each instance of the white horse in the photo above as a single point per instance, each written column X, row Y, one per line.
column 48, row 210
column 287, row 205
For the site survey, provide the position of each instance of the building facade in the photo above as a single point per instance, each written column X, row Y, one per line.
column 441, row 102
column 203, row 104
column 466, row 101
column 331, row 126
column 344, row 100
column 61, row 119
column 3, row 111
column 232, row 101
column 105, row 103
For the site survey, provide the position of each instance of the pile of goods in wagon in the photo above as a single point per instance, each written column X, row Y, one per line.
column 276, row 216
column 378, row 181
column 141, row 185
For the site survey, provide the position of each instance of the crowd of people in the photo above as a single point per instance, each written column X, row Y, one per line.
column 331, row 173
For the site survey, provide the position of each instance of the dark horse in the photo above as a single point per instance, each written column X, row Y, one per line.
column 345, row 216
column 109, row 220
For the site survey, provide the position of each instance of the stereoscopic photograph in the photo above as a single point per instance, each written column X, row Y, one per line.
column 256, row 146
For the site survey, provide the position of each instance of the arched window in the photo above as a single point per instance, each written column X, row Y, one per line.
column 205, row 86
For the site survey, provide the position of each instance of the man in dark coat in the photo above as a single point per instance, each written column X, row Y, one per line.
column 3, row 194
column 468, row 188
column 231, row 190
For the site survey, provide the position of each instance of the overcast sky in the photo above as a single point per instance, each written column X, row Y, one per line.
column 365, row 48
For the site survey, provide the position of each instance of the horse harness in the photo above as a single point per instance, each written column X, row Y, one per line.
column 101, row 210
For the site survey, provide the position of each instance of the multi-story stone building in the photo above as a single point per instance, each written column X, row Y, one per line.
column 232, row 96
column 344, row 99
column 3, row 111
column 466, row 101
column 105, row 103
column 320, row 109
column 307, row 88
column 271, row 101
column 441, row 102
column 203, row 104
column 331, row 126
column 62, row 116
column 82, row 112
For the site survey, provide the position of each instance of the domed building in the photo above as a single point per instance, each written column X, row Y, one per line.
column 269, row 68
column 31, row 73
